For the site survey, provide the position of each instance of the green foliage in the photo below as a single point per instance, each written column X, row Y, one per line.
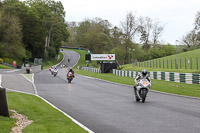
column 51, row 62
column 11, row 39
column 51, row 52
column 119, row 53
column 8, row 60
column 30, row 27
column 94, row 35
column 1, row 61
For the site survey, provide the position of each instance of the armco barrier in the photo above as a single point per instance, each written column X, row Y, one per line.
column 166, row 76
column 187, row 78
column 92, row 69
column 34, row 69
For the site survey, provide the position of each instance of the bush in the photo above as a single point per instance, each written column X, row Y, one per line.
column 1, row 61
column 8, row 60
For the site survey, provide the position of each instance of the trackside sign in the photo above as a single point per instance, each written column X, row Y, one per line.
column 102, row 56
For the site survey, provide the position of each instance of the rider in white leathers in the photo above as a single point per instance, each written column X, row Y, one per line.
column 141, row 75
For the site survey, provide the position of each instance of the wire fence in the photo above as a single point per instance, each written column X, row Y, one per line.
column 179, row 63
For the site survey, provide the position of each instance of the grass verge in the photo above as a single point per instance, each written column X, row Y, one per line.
column 51, row 62
column 130, row 67
column 82, row 53
column 158, row 85
column 29, row 76
column 45, row 118
column 6, row 123
column 5, row 67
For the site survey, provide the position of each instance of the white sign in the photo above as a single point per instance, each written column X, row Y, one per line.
column 102, row 56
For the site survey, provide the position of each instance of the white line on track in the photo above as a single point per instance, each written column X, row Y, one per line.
column 13, row 70
column 61, row 60
column 36, row 94
column 33, row 83
column 78, row 59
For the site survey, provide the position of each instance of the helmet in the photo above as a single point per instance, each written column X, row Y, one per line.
column 144, row 72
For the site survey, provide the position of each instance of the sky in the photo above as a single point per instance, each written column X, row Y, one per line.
column 177, row 15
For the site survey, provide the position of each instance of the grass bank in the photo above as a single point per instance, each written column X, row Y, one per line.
column 6, row 124
column 52, row 62
column 45, row 118
column 81, row 61
column 5, row 67
column 187, row 62
column 130, row 67
column 159, row 85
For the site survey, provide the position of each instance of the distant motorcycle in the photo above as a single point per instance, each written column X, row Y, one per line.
column 55, row 72
column 70, row 77
column 142, row 90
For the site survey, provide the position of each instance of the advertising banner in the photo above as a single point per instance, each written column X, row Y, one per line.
column 102, row 56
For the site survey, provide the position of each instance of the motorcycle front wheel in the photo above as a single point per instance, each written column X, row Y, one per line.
column 136, row 97
column 143, row 94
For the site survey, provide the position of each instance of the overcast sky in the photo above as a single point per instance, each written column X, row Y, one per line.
column 177, row 15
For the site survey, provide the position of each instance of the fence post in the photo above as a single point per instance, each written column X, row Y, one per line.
column 159, row 64
column 190, row 63
column 171, row 63
column 175, row 64
column 163, row 63
column 153, row 63
column 197, row 63
column 180, row 63
column 185, row 64
column 167, row 64
column 150, row 63
column 156, row 64
column 3, row 103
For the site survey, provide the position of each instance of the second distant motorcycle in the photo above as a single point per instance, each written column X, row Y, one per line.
column 55, row 71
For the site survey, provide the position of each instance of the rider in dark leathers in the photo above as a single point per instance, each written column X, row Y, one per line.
column 70, row 70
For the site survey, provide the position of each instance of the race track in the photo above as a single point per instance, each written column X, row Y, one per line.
column 106, row 107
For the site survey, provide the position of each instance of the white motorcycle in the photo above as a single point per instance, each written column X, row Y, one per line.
column 142, row 89
column 55, row 71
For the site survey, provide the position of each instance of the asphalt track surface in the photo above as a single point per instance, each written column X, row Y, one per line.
column 106, row 107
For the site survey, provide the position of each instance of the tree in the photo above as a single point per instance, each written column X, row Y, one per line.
column 197, row 21
column 94, row 34
column 157, row 32
column 193, row 37
column 116, row 36
column 129, row 28
column 11, row 40
column 189, row 39
column 145, row 28
column 72, row 26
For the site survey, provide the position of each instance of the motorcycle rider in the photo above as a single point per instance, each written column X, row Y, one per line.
column 70, row 70
column 55, row 70
column 141, row 75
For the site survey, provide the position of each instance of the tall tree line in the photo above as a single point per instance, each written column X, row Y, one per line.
column 100, row 36
column 31, row 29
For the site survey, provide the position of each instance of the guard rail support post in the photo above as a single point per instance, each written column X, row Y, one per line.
column 3, row 103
